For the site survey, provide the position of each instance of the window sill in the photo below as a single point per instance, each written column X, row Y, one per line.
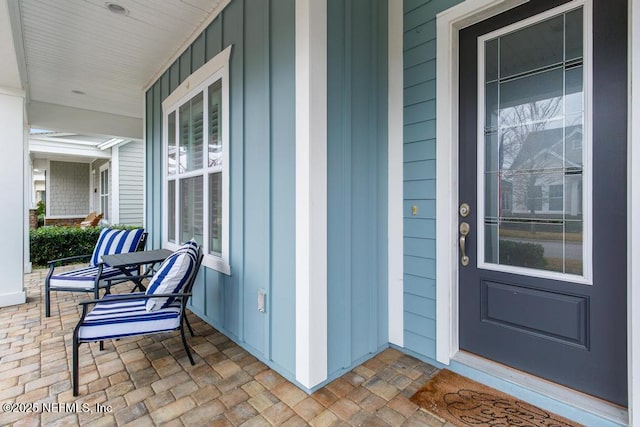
column 217, row 264
column 210, row 261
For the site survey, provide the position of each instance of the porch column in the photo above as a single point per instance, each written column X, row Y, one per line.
column 311, row 192
column 13, row 197
column 13, row 212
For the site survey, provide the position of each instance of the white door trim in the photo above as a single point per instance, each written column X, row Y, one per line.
column 448, row 25
column 633, row 211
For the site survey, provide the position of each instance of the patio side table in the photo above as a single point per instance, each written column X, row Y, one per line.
column 125, row 261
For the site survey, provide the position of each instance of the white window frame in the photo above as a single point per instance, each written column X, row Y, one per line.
column 586, row 278
column 215, row 69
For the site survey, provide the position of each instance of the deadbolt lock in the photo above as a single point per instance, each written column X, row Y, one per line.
column 464, row 210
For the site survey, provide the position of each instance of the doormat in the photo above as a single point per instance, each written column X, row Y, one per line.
column 464, row 402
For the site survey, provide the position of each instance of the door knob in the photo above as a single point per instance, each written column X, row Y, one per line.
column 464, row 231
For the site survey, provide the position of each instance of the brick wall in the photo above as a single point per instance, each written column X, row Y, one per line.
column 64, row 221
column 33, row 219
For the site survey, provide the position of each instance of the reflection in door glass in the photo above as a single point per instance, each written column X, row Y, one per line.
column 533, row 146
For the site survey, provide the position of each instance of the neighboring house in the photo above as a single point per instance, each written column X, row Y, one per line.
column 78, row 174
column 343, row 166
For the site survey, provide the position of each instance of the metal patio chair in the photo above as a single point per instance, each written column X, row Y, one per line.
column 160, row 309
column 93, row 277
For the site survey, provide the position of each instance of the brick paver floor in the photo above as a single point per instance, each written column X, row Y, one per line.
column 149, row 381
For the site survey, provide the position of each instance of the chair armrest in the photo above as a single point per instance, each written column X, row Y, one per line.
column 125, row 297
column 68, row 260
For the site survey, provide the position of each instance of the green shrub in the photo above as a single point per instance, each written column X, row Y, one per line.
column 522, row 254
column 55, row 242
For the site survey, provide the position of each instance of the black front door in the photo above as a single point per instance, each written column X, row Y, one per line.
column 543, row 135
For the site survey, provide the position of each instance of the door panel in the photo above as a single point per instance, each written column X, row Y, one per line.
column 545, row 176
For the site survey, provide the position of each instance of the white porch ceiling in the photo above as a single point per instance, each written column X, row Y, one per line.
column 79, row 45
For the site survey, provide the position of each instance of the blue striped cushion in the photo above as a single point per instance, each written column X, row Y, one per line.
column 115, row 242
column 190, row 248
column 172, row 275
column 116, row 319
column 82, row 278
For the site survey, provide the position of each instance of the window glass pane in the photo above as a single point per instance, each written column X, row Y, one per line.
column 532, row 245
column 171, row 144
column 573, row 35
column 532, row 147
column 556, row 197
column 533, row 98
column 191, row 134
column 573, row 247
column 573, row 90
column 491, row 60
column 215, row 213
column 191, row 209
column 215, row 124
column 171, row 215
column 491, row 242
column 532, row 48
column 493, row 153
column 533, row 183
column 491, row 106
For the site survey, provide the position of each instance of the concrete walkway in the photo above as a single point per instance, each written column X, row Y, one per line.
column 149, row 381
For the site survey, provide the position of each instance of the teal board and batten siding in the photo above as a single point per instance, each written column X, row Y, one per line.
column 262, row 176
column 420, row 173
column 356, row 181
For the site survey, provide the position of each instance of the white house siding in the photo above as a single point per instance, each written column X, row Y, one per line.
column 68, row 189
column 131, row 183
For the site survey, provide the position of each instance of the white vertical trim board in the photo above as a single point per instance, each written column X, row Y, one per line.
column 115, row 185
column 311, row 192
column 28, row 193
column 47, row 189
column 395, row 166
column 145, row 165
column 633, row 241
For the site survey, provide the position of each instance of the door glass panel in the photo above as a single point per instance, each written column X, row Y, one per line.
column 533, row 146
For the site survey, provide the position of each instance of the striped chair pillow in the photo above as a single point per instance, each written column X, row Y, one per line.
column 115, row 242
column 172, row 275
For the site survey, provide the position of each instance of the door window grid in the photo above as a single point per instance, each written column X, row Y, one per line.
column 551, row 193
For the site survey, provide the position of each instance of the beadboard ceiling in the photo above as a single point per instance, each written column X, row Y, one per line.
column 71, row 46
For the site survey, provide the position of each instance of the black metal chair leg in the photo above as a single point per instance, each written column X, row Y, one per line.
column 47, row 302
column 186, row 347
column 101, row 345
column 189, row 325
column 74, row 366
column 47, row 293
